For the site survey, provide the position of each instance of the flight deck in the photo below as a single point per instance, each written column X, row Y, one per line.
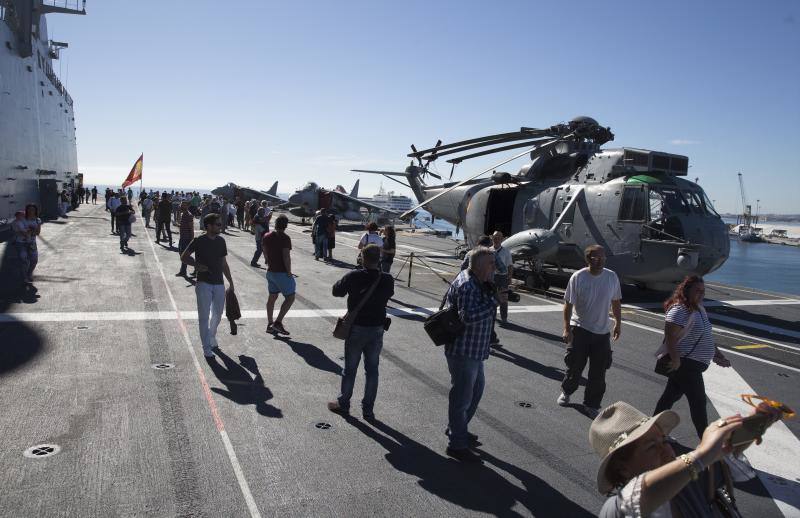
column 101, row 369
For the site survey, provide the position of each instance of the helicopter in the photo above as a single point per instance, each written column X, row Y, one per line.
column 231, row 191
column 307, row 200
column 656, row 226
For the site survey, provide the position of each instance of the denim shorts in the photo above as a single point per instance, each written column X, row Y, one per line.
column 281, row 282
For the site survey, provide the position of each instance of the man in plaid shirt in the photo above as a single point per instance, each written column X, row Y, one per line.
column 473, row 296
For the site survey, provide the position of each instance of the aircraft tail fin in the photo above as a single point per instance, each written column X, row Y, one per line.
column 274, row 189
column 354, row 192
column 412, row 173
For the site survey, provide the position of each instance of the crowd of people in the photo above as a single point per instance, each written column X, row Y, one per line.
column 639, row 470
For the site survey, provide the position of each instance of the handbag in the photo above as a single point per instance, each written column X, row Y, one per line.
column 132, row 218
column 722, row 498
column 344, row 324
column 444, row 326
column 663, row 362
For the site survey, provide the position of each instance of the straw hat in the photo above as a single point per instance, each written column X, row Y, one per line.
column 619, row 425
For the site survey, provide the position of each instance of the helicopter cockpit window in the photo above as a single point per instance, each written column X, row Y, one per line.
column 695, row 204
column 632, row 207
column 665, row 201
column 709, row 206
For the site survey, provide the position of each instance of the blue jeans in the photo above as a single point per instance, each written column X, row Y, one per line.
column 321, row 246
column 210, row 306
column 467, row 382
column 369, row 341
column 257, row 255
column 124, row 230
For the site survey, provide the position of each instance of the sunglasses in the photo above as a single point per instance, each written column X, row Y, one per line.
column 754, row 401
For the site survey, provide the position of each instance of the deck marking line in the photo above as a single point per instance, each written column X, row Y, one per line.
column 748, row 356
column 237, row 468
column 719, row 304
column 778, row 455
column 726, row 331
column 751, row 346
column 82, row 316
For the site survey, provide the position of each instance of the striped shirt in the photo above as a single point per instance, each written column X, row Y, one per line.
column 186, row 225
column 476, row 307
column 699, row 333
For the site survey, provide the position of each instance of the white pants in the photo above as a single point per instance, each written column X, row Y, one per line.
column 210, row 298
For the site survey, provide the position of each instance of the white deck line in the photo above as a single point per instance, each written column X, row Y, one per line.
column 238, row 472
column 89, row 316
column 777, row 458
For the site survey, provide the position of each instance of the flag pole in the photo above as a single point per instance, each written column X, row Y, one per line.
column 141, row 178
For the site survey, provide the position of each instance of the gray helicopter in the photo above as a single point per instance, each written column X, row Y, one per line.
column 231, row 191
column 655, row 225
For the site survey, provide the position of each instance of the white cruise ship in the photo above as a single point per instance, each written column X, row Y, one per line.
column 390, row 200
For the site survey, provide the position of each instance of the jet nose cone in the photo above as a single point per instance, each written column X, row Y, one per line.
column 296, row 199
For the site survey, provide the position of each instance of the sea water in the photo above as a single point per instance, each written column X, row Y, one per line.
column 761, row 266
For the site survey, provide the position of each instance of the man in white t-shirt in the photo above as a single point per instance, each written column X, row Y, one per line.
column 590, row 291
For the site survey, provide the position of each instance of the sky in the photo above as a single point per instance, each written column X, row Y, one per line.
column 258, row 91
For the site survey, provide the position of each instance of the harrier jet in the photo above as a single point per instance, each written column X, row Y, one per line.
column 312, row 197
column 232, row 190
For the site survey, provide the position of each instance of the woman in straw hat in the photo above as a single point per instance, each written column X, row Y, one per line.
column 640, row 470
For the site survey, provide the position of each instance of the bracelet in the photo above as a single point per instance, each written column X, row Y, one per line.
column 690, row 463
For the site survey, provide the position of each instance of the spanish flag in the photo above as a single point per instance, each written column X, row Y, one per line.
column 136, row 173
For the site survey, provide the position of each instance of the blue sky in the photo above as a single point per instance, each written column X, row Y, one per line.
column 254, row 92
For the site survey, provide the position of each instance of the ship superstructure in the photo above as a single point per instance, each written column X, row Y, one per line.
column 391, row 200
column 38, row 148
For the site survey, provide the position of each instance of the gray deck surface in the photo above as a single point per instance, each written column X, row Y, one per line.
column 137, row 441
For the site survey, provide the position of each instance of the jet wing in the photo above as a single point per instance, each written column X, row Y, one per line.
column 271, row 197
column 361, row 203
column 232, row 190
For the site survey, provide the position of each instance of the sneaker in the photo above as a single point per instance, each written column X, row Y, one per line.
column 591, row 411
column 253, row 263
column 464, row 455
column 270, row 328
column 368, row 416
column 216, row 349
column 563, row 399
column 472, row 439
column 278, row 327
column 336, row 408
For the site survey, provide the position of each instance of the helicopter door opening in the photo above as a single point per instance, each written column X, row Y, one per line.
column 500, row 211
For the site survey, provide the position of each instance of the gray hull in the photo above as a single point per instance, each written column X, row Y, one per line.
column 38, row 152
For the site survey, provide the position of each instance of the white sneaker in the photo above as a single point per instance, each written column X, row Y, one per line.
column 563, row 400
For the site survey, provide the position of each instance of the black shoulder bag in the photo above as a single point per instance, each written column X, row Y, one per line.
column 343, row 325
column 444, row 326
column 663, row 363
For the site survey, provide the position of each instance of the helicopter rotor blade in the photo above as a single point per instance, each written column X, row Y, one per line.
column 436, row 154
column 462, row 182
column 542, row 142
column 519, row 135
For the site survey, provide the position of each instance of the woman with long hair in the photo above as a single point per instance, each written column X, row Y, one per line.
column 690, row 345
